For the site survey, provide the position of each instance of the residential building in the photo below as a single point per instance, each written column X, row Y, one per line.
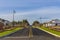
column 5, row 22
column 55, row 22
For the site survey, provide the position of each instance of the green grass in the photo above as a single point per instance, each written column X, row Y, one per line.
column 50, row 30
column 8, row 32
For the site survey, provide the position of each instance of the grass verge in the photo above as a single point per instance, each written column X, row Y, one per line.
column 51, row 31
column 9, row 32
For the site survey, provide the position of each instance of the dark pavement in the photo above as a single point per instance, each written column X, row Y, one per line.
column 41, row 35
column 23, row 32
column 24, row 35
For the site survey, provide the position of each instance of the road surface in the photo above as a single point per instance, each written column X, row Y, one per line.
column 25, row 33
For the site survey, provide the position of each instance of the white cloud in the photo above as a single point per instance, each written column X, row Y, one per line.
column 46, row 10
column 41, row 11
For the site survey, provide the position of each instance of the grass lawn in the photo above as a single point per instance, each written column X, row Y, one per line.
column 52, row 31
column 9, row 32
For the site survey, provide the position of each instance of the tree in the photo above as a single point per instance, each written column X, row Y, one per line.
column 36, row 23
column 25, row 23
column 20, row 24
column 14, row 23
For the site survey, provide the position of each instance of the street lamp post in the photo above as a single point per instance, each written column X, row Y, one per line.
column 13, row 16
column 40, row 21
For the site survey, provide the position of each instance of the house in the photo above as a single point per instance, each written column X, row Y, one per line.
column 55, row 22
column 1, row 26
column 5, row 22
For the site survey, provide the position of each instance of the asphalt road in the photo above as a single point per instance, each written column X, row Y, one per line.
column 41, row 35
column 24, row 35
column 23, row 32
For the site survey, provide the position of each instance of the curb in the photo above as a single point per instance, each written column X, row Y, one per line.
column 49, row 33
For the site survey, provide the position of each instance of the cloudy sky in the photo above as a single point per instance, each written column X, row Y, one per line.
column 30, row 9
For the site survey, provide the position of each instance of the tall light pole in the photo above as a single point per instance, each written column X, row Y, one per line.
column 42, row 20
column 13, row 16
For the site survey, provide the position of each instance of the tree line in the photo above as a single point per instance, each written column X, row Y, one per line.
column 24, row 24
